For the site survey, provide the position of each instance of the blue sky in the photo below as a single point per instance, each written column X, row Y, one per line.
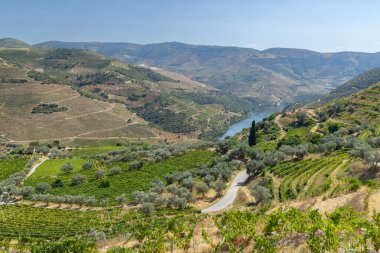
column 321, row 25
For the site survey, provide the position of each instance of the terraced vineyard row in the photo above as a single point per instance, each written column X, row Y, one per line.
column 9, row 166
column 23, row 221
column 310, row 177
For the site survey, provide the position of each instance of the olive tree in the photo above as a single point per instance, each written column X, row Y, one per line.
column 43, row 187
column 67, row 168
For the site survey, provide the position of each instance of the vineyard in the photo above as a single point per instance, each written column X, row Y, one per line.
column 9, row 166
column 24, row 221
column 234, row 231
column 309, row 177
column 125, row 182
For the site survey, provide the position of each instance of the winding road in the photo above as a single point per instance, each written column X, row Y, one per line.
column 230, row 196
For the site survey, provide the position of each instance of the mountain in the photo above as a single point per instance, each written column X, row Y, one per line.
column 70, row 94
column 268, row 76
column 356, row 84
column 12, row 43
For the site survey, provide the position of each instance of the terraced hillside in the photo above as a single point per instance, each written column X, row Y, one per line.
column 70, row 94
column 310, row 177
column 361, row 107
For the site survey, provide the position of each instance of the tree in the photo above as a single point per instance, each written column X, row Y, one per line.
column 222, row 147
column 99, row 174
column 261, row 194
column 218, row 186
column 147, row 209
column 301, row 151
column 254, row 167
column 252, row 135
column 78, row 179
column 87, row 166
column 201, row 188
column 57, row 183
column 157, row 186
column 333, row 127
column 115, row 170
column 43, row 187
column 372, row 157
column 67, row 168
column 188, row 183
column 26, row 191
column 121, row 200
column 90, row 201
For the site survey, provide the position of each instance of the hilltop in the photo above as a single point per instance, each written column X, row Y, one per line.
column 268, row 76
column 13, row 43
column 59, row 94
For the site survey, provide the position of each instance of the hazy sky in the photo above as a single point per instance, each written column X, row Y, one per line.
column 321, row 25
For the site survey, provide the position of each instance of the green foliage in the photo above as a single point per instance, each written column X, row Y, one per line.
column 48, row 108
column 252, row 135
column 126, row 182
column 11, row 165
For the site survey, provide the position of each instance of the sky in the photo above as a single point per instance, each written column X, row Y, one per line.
column 320, row 25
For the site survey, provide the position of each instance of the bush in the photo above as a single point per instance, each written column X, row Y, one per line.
column 57, row 183
column 104, row 184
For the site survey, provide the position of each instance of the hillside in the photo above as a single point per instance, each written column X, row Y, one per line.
column 69, row 89
column 13, row 43
column 313, row 186
column 269, row 76
column 356, row 84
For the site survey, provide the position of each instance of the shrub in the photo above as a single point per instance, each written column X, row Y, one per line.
column 57, row 183
column 104, row 184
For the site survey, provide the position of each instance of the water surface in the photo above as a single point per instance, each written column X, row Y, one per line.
column 257, row 115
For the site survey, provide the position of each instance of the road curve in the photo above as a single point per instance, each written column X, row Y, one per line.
column 230, row 196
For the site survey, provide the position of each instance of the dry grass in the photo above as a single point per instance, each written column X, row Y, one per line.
column 85, row 118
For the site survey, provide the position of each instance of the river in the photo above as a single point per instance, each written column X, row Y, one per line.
column 256, row 115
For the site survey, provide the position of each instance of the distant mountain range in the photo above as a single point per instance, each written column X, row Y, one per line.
column 269, row 76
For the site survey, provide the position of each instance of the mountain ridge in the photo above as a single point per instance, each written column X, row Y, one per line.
column 275, row 74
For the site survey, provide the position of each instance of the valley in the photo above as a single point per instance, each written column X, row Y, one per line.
column 98, row 155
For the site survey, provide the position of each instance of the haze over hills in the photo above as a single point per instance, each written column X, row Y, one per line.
column 268, row 76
